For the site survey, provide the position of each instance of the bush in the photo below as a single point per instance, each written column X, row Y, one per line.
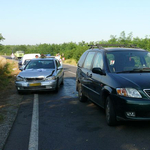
column 2, row 62
column 71, row 62
column 8, row 68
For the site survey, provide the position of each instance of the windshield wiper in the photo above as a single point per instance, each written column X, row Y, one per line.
column 135, row 70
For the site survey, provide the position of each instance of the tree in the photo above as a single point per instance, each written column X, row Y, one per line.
column 113, row 39
column 122, row 38
column 129, row 37
column 1, row 39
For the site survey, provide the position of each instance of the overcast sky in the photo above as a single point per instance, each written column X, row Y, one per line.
column 57, row 21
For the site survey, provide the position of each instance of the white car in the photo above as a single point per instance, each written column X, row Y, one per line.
column 25, row 59
column 57, row 57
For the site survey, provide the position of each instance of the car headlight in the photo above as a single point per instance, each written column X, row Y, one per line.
column 19, row 78
column 128, row 92
column 51, row 78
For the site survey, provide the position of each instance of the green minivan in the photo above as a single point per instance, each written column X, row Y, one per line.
column 118, row 80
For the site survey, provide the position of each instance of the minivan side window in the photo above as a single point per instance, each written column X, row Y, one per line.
column 98, row 61
column 88, row 60
column 81, row 60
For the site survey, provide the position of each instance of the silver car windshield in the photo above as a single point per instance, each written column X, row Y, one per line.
column 40, row 64
column 128, row 61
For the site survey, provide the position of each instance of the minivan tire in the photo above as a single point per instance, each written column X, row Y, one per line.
column 81, row 96
column 110, row 113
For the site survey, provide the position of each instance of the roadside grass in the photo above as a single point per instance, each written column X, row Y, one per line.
column 8, row 69
column 70, row 61
column 2, row 62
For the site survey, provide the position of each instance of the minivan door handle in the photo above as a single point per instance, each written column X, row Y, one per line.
column 89, row 75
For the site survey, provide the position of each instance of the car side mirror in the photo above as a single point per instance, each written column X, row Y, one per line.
column 21, row 68
column 20, row 63
column 98, row 71
column 59, row 68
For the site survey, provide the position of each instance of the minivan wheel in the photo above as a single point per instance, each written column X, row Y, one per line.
column 81, row 96
column 110, row 113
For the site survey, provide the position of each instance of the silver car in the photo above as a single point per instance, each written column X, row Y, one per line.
column 40, row 74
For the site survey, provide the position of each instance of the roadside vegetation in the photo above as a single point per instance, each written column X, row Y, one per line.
column 8, row 70
column 70, row 61
column 73, row 50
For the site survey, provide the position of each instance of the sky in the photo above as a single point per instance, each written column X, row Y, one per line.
column 31, row 22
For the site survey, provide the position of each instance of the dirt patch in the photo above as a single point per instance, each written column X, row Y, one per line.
column 9, row 104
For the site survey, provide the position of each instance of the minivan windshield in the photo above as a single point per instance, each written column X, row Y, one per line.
column 128, row 61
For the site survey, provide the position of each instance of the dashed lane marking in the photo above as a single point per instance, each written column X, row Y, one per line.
column 33, row 141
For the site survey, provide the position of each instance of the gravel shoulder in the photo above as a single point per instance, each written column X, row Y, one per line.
column 9, row 104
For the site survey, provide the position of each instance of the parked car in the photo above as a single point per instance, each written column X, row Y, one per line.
column 57, row 57
column 47, row 55
column 118, row 80
column 25, row 59
column 40, row 74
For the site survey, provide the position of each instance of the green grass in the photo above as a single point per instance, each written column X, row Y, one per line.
column 70, row 61
column 5, row 75
column 6, row 71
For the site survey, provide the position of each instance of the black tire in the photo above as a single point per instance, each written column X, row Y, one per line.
column 110, row 113
column 20, row 92
column 62, row 82
column 81, row 96
column 57, row 87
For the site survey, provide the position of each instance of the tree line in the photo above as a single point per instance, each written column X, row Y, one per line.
column 74, row 50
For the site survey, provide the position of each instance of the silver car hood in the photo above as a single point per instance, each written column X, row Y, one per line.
column 35, row 73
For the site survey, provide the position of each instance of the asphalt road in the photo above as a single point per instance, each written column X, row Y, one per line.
column 67, row 124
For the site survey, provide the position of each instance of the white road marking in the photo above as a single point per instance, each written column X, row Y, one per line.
column 33, row 141
column 72, row 72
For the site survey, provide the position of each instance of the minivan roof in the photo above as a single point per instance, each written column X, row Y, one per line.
column 123, row 49
column 114, row 47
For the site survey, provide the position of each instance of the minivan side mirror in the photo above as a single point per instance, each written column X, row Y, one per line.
column 78, row 65
column 98, row 71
